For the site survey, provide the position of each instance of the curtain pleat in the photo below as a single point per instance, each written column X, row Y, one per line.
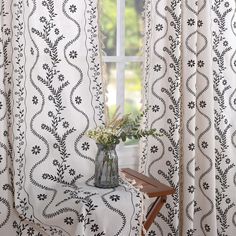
column 189, row 85
column 51, row 93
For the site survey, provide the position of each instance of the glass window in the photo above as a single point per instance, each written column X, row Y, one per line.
column 121, row 22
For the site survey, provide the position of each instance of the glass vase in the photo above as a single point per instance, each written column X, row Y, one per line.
column 106, row 167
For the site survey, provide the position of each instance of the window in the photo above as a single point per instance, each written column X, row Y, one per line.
column 121, row 25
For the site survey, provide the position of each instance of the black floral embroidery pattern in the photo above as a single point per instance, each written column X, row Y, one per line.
column 162, row 90
column 221, row 128
column 36, row 150
column 68, row 220
column 115, row 198
column 52, row 71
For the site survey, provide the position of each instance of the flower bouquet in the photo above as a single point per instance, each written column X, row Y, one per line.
column 116, row 129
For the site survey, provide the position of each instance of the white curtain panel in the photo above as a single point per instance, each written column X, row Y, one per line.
column 50, row 95
column 190, row 88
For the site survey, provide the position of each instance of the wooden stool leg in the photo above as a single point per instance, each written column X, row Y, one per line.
column 156, row 207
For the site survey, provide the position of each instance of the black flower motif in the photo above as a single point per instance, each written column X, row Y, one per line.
column 85, row 146
column 226, row 4
column 154, row 149
column 202, row 104
column 61, row 77
column 115, row 198
column 44, row 176
column 191, row 63
column 81, row 218
column 94, row 228
column 224, row 82
column 45, row 66
column 227, row 200
column 191, row 189
column 72, row 172
column 199, row 23
column 152, row 233
column 159, row 27
column 78, row 100
column 191, row 146
column 30, row 231
column 225, row 43
column 68, row 220
column 35, row 100
column 42, row 19
column 14, row 224
column 56, row 31
column 41, row 197
column 36, row 150
column 7, row 31
column 50, row 114
column 227, row 160
column 72, row 8
column 200, row 63
column 191, row 105
column 155, row 108
column 190, row 21
column 65, row 124
column 5, row 133
column 157, row 67
column 0, row 105
column 206, row 185
column 190, row 232
column 73, row 54
column 55, row 162
column 204, row 144
column 46, row 50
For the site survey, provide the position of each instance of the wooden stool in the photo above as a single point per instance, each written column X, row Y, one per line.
column 154, row 189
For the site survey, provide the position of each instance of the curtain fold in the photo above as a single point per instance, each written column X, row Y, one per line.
column 189, row 85
column 51, row 93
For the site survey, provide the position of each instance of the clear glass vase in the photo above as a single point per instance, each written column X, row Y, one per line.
column 106, row 167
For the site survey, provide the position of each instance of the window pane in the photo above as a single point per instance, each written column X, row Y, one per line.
column 133, row 27
column 108, row 26
column 133, row 75
column 109, row 74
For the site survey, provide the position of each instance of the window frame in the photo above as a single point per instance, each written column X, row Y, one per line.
column 120, row 59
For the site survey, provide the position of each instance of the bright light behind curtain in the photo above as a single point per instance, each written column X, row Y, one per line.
column 190, row 85
column 50, row 94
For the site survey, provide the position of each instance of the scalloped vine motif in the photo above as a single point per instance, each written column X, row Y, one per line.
column 222, row 126
column 173, row 123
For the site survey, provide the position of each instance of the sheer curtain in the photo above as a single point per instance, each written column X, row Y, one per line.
column 190, row 87
column 51, row 93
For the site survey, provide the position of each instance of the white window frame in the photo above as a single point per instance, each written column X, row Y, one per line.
column 128, row 155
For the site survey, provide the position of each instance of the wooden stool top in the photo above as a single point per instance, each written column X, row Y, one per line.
column 151, row 186
column 154, row 189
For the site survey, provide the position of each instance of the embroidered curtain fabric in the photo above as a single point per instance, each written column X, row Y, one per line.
column 190, row 85
column 50, row 94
